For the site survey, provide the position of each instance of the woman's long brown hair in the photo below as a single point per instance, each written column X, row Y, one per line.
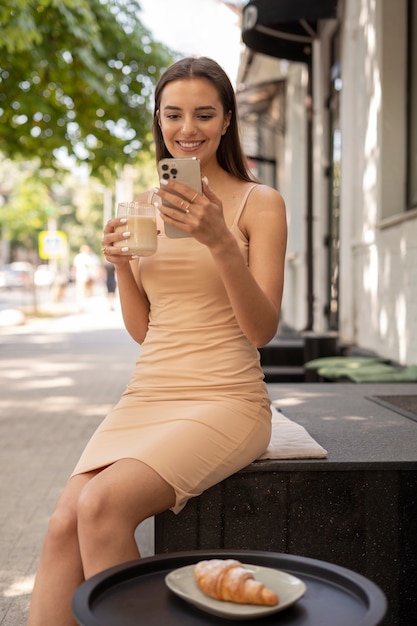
column 229, row 153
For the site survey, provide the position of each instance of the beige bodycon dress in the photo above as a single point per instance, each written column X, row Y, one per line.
column 196, row 409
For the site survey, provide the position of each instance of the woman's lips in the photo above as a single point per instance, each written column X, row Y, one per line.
column 190, row 145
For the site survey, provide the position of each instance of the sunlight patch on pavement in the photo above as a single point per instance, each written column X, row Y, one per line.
column 11, row 317
column 20, row 587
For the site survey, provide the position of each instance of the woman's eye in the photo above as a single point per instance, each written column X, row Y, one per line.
column 204, row 117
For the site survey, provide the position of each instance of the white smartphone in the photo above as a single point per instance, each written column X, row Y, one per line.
column 184, row 170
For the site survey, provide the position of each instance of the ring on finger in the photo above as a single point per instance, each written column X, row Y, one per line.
column 193, row 198
column 187, row 208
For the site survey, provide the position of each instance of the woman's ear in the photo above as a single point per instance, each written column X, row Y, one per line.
column 226, row 122
column 158, row 117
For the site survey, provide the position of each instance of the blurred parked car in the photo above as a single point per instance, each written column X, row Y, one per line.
column 44, row 276
column 16, row 275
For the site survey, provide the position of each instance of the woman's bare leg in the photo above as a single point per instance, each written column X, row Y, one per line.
column 60, row 568
column 111, row 506
column 92, row 529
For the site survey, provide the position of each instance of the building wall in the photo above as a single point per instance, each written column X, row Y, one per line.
column 385, row 279
column 378, row 236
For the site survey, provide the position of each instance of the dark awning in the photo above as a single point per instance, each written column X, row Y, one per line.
column 284, row 28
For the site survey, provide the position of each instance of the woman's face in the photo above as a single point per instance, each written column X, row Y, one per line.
column 192, row 119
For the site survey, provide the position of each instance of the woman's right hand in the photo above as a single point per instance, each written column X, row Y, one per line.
column 133, row 300
column 116, row 231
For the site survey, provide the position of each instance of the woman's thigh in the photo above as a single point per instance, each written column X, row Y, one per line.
column 129, row 489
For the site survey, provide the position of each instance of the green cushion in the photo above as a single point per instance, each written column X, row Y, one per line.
column 365, row 369
column 342, row 361
column 405, row 375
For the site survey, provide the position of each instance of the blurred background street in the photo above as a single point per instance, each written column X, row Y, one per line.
column 60, row 373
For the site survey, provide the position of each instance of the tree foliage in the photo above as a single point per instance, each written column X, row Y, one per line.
column 26, row 212
column 76, row 79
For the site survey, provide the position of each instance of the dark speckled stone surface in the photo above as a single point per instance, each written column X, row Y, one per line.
column 357, row 508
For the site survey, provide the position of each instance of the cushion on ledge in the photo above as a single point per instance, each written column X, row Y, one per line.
column 394, row 375
column 344, row 362
column 291, row 441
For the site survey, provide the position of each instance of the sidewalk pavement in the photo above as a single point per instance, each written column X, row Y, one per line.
column 59, row 377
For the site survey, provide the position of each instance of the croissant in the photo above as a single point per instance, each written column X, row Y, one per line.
column 227, row 579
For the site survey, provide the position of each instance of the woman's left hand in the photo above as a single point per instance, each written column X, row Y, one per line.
column 199, row 215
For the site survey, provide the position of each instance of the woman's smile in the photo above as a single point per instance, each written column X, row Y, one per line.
column 190, row 145
column 192, row 118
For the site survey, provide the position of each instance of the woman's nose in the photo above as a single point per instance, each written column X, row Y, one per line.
column 189, row 127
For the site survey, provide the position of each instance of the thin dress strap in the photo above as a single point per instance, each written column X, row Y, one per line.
column 243, row 204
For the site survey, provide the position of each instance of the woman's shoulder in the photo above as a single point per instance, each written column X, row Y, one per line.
column 263, row 198
column 264, row 207
column 260, row 190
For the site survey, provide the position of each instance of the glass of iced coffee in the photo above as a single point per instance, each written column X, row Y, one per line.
column 141, row 223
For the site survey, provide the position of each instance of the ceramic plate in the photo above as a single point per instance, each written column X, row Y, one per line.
column 289, row 589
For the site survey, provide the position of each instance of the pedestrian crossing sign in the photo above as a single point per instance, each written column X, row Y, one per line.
column 52, row 244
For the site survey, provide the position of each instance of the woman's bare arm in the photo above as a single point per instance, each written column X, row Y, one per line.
column 255, row 290
column 133, row 301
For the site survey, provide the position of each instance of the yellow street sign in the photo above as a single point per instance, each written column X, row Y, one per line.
column 52, row 244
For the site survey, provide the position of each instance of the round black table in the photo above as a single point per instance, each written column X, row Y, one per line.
column 135, row 594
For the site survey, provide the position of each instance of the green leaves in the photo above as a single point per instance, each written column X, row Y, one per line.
column 77, row 77
column 25, row 214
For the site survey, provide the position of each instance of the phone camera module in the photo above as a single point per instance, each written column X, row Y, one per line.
column 165, row 176
column 165, row 167
column 174, row 171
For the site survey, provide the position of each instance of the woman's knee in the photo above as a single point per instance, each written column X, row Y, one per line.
column 122, row 496
column 94, row 508
column 62, row 525
column 103, row 508
column 64, row 520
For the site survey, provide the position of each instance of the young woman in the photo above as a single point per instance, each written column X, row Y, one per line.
column 196, row 408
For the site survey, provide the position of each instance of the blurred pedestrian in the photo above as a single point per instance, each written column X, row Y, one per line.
column 111, row 283
column 86, row 266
